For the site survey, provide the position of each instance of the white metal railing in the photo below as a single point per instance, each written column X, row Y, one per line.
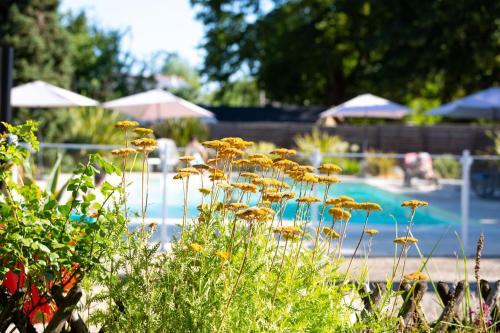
column 466, row 160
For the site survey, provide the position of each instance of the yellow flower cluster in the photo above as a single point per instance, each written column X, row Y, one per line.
column 126, row 124
column 246, row 187
column 416, row 276
column 241, row 162
column 288, row 232
column 278, row 196
column 223, row 255
column 186, row 158
column 216, row 144
column 308, row 199
column 371, row 232
column 369, row 206
column 123, row 152
column 414, row 204
column 328, row 179
column 190, row 170
column 283, row 152
column 339, row 201
column 329, row 168
column 195, row 247
column 255, row 213
column 284, row 164
column 143, row 131
column 405, row 240
column 237, row 143
column 145, row 144
column 250, row 175
column 339, row 214
column 235, row 206
column 205, row 191
column 331, row 233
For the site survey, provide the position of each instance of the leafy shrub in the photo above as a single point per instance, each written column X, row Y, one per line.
column 181, row 130
column 447, row 167
column 261, row 147
column 327, row 144
column 47, row 246
column 380, row 166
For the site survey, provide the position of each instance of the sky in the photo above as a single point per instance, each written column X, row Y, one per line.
column 153, row 25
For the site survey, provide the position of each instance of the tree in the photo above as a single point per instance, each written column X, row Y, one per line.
column 327, row 51
column 189, row 80
column 242, row 92
column 40, row 43
column 102, row 70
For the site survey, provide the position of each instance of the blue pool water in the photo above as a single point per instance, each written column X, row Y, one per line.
column 390, row 202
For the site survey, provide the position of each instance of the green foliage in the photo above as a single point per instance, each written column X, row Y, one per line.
column 327, row 144
column 181, row 130
column 349, row 166
column 40, row 42
column 174, row 65
column 323, row 52
column 102, row 69
column 43, row 239
column 447, row 167
column 243, row 92
column 94, row 126
column 380, row 166
column 495, row 137
column 261, row 147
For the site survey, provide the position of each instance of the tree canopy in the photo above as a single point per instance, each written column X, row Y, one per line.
column 326, row 51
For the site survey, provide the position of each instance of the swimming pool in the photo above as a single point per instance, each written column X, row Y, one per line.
column 390, row 202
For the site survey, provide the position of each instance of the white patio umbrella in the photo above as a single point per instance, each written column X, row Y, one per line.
column 155, row 105
column 39, row 94
column 367, row 106
column 483, row 104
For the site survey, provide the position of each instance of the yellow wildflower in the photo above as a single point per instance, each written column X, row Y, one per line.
column 283, row 151
column 153, row 225
column 288, row 232
column 205, row 191
column 251, row 175
column 369, row 206
column 246, row 187
column 216, row 144
column 257, row 156
column 196, row 247
column 234, row 206
column 126, row 124
column 308, row 178
column 414, row 204
column 238, row 143
column 190, row 170
column 123, row 152
column 241, row 162
column 230, row 152
column 144, row 142
column 223, row 255
column 405, row 240
column 284, row 164
column 416, row 276
column 329, row 168
column 181, row 175
column 336, row 201
column 201, row 167
column 371, row 231
column 331, row 233
column 308, row 199
column 143, row 131
column 225, row 186
column 251, row 213
column 186, row 158
column 339, row 214
column 328, row 179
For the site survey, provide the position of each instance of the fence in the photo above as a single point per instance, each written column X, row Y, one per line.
column 437, row 139
column 466, row 161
